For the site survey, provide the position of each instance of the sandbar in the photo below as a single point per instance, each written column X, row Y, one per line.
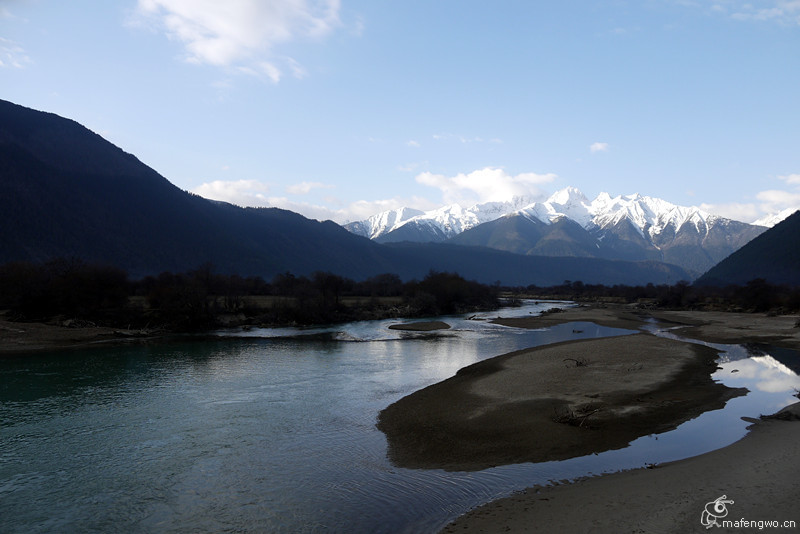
column 553, row 402
column 18, row 338
column 760, row 473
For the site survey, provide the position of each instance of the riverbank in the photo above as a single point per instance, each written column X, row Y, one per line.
column 711, row 327
column 24, row 337
column 760, row 472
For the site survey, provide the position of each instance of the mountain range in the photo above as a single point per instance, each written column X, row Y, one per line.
column 631, row 228
column 67, row 192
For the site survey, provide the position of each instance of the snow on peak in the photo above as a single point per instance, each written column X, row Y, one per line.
column 386, row 221
column 647, row 214
column 771, row 220
column 569, row 202
column 567, row 196
column 454, row 219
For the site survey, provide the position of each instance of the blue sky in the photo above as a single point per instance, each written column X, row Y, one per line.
column 341, row 109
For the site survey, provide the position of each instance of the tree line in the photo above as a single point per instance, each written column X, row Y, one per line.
column 757, row 295
column 200, row 298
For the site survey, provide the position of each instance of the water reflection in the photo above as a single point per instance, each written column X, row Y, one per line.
column 257, row 432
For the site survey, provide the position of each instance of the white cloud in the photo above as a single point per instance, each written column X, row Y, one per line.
column 304, row 188
column 241, row 33
column 775, row 200
column 785, row 12
column 412, row 143
column 12, row 55
column 745, row 212
column 463, row 139
column 781, row 11
column 485, row 185
column 767, row 203
column 363, row 209
column 254, row 193
column 792, row 179
column 239, row 192
column 598, row 147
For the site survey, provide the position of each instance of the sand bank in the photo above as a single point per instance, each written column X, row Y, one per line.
column 713, row 327
column 20, row 338
column 553, row 402
column 760, row 473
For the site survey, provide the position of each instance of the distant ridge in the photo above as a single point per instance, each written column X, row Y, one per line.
column 773, row 256
column 67, row 192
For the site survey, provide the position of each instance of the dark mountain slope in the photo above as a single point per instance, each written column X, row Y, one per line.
column 773, row 256
column 529, row 236
column 66, row 192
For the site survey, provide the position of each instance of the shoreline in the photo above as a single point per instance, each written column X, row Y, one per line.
column 23, row 338
column 759, row 472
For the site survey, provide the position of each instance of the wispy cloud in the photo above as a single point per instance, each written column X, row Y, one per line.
column 768, row 202
column 786, row 12
column 781, row 11
column 485, row 185
column 242, row 34
column 792, row 179
column 239, row 192
column 745, row 212
column 12, row 55
column 598, row 147
column 464, row 139
column 254, row 193
column 305, row 188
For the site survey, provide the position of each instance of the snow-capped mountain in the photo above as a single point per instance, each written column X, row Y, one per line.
column 383, row 222
column 771, row 220
column 629, row 227
column 648, row 215
column 405, row 224
column 645, row 213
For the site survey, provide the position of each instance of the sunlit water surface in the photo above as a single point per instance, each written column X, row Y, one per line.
column 263, row 433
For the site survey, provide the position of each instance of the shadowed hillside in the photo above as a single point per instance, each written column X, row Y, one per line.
column 67, row 192
column 773, row 256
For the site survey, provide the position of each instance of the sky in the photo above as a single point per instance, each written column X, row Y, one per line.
column 340, row 109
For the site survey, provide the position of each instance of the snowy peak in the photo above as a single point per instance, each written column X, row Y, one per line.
column 569, row 202
column 651, row 217
column 567, row 197
column 771, row 220
column 626, row 227
column 382, row 223
column 447, row 221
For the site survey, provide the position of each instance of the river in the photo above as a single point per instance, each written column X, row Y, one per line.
column 259, row 432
